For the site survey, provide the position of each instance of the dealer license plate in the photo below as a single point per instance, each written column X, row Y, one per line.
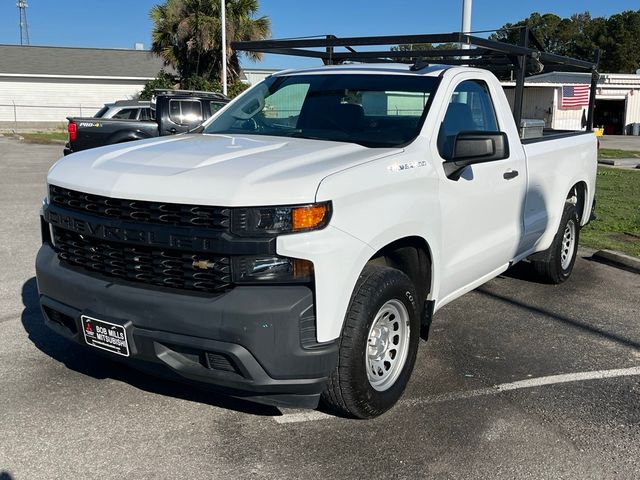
column 105, row 335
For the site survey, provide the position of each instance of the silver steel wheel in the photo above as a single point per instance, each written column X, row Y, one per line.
column 387, row 345
column 568, row 244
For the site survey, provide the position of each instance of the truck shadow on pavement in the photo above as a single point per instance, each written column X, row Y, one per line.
column 76, row 358
column 572, row 322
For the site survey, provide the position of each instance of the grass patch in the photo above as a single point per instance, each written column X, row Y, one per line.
column 45, row 137
column 612, row 153
column 618, row 224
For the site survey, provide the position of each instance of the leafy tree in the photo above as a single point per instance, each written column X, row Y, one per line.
column 579, row 35
column 403, row 47
column 236, row 88
column 187, row 35
column 621, row 43
column 163, row 80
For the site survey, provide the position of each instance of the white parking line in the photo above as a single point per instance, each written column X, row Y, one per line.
column 496, row 389
column 569, row 377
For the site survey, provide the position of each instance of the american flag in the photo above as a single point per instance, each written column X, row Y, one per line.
column 575, row 96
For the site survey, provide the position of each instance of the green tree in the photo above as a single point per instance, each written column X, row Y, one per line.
column 403, row 47
column 621, row 43
column 579, row 35
column 163, row 80
column 187, row 35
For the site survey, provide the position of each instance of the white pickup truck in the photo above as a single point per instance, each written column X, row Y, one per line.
column 295, row 248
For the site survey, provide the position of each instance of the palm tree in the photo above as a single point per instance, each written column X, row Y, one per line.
column 187, row 35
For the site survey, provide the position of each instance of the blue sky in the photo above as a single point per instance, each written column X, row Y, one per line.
column 121, row 23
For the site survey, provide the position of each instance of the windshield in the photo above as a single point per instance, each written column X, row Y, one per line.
column 371, row 110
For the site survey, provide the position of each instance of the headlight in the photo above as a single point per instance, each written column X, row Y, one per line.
column 266, row 221
column 271, row 269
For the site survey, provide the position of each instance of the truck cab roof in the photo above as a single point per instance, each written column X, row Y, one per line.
column 370, row 68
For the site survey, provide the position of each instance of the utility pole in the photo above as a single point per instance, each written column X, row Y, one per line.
column 24, row 26
column 466, row 21
column 224, row 46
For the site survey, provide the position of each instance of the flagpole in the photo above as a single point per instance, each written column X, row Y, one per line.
column 224, row 47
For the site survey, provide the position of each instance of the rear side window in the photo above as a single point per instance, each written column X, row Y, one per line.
column 470, row 110
column 101, row 112
column 126, row 114
column 185, row 112
column 398, row 104
column 145, row 114
column 215, row 106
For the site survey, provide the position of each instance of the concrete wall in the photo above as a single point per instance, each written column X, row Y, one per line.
column 51, row 100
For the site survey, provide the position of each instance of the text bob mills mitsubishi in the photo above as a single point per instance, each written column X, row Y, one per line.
column 296, row 246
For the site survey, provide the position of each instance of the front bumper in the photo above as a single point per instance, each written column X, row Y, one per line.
column 257, row 336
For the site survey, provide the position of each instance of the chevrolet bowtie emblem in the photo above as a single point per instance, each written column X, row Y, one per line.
column 203, row 264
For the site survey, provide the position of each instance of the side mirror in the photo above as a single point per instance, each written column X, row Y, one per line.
column 470, row 148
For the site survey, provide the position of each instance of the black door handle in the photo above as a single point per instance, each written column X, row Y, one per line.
column 509, row 174
column 172, row 130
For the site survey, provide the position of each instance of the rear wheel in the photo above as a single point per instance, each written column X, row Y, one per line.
column 556, row 264
column 378, row 345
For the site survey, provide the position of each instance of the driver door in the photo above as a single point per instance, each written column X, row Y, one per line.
column 482, row 211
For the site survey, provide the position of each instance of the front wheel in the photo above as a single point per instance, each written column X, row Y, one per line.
column 378, row 345
column 556, row 264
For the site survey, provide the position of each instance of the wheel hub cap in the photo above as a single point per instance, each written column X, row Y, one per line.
column 568, row 245
column 387, row 345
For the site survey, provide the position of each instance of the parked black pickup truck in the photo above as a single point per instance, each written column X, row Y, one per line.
column 172, row 111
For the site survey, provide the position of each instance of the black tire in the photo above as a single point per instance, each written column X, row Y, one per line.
column 548, row 265
column 349, row 392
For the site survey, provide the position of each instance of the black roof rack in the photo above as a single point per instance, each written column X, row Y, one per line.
column 189, row 93
column 526, row 58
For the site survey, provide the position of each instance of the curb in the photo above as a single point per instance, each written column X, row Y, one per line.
column 620, row 162
column 618, row 260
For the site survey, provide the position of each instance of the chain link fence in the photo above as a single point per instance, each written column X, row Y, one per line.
column 22, row 117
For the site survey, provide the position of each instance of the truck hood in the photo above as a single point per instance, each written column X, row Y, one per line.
column 211, row 169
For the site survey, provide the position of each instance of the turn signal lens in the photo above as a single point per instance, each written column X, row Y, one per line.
column 302, row 269
column 274, row 269
column 309, row 217
column 271, row 221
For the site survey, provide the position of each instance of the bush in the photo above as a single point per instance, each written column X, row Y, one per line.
column 197, row 82
column 236, row 88
column 163, row 80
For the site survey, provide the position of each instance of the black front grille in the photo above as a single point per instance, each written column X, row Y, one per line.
column 141, row 212
column 154, row 266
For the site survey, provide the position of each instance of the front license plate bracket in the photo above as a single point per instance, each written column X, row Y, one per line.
column 104, row 335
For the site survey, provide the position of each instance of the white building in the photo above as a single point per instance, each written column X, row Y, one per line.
column 617, row 101
column 252, row 76
column 47, row 84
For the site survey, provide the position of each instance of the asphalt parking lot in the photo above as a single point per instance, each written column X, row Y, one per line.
column 519, row 380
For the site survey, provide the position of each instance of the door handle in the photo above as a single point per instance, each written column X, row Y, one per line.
column 509, row 174
column 172, row 130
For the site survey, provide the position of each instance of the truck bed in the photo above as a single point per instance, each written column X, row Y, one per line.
column 95, row 132
column 553, row 134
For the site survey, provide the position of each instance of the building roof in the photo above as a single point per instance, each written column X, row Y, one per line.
column 27, row 60
column 563, row 78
